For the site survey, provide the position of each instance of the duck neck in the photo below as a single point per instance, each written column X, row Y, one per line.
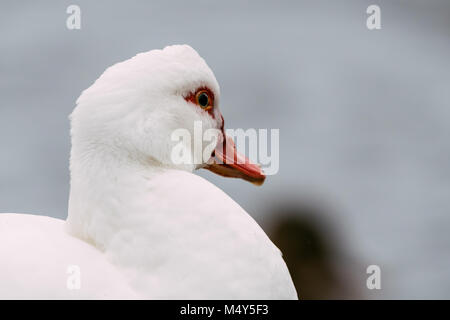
column 105, row 189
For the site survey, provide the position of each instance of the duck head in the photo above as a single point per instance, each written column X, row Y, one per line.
column 132, row 111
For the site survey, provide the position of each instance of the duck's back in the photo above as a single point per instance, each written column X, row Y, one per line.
column 212, row 249
column 39, row 260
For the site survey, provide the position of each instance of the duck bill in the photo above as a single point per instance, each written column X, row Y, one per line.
column 228, row 162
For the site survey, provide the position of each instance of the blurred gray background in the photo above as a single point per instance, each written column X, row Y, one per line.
column 364, row 119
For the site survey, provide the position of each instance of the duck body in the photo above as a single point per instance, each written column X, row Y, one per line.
column 193, row 253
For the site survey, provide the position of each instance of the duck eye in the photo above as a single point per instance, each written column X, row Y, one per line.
column 203, row 99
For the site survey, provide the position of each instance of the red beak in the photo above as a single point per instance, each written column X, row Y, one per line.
column 229, row 163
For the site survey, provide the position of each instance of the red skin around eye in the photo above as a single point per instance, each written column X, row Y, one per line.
column 192, row 98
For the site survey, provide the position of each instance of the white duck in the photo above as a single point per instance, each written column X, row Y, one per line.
column 140, row 226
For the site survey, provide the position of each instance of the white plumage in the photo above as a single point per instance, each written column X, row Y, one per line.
column 140, row 226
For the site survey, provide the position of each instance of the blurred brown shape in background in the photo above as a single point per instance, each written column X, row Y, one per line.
column 311, row 252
